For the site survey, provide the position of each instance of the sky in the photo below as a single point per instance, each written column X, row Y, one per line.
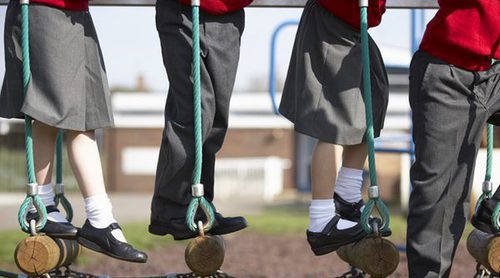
column 131, row 46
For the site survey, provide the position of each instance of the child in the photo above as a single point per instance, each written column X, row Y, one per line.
column 221, row 26
column 454, row 91
column 68, row 90
column 323, row 97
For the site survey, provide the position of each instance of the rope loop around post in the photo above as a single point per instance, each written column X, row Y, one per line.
column 40, row 210
column 371, row 205
column 200, row 203
column 60, row 198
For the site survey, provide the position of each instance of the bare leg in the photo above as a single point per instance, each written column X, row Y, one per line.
column 350, row 177
column 323, row 170
column 86, row 162
column 323, row 176
column 354, row 156
column 44, row 142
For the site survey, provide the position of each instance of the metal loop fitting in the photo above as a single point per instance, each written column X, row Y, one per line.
column 487, row 186
column 32, row 189
column 24, row 2
column 195, row 3
column 59, row 188
column 198, row 190
column 373, row 192
column 363, row 3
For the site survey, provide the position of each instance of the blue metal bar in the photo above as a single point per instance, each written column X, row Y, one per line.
column 396, row 150
column 272, row 71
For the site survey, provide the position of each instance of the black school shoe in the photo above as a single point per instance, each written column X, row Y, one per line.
column 346, row 210
column 55, row 229
column 178, row 229
column 481, row 220
column 352, row 212
column 331, row 238
column 102, row 241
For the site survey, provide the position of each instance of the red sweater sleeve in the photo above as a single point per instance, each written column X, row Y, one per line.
column 465, row 33
column 75, row 5
column 348, row 11
column 219, row 7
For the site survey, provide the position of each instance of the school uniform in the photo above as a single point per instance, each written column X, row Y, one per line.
column 454, row 92
column 221, row 27
column 68, row 87
column 323, row 94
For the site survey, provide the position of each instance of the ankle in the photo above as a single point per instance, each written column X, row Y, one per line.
column 349, row 183
column 320, row 213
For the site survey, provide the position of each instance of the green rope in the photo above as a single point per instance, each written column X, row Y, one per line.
column 374, row 201
column 198, row 201
column 32, row 197
column 59, row 159
column 60, row 197
column 489, row 152
column 495, row 218
column 487, row 185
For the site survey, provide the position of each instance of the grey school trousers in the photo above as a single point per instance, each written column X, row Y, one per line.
column 451, row 107
column 220, row 47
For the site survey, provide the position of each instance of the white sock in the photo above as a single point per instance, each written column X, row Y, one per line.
column 321, row 212
column 46, row 193
column 349, row 183
column 100, row 214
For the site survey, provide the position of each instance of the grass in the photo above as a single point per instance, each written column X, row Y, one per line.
column 288, row 220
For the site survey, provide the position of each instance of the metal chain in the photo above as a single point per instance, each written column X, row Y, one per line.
column 66, row 272
column 219, row 274
column 353, row 273
column 482, row 272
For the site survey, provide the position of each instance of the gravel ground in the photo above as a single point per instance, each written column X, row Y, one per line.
column 251, row 255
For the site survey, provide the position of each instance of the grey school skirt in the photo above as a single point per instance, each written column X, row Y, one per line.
column 323, row 93
column 68, row 87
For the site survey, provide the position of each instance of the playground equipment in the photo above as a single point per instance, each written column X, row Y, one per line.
column 205, row 254
column 40, row 254
column 485, row 248
column 373, row 255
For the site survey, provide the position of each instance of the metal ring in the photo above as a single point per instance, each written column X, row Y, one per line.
column 59, row 188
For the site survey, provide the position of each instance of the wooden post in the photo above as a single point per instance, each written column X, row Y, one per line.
column 374, row 255
column 37, row 255
column 485, row 248
column 205, row 254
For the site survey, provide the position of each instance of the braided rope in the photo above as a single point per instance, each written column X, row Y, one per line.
column 60, row 197
column 198, row 201
column 30, row 166
column 374, row 201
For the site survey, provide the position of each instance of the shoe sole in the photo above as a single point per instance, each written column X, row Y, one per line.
column 326, row 249
column 158, row 230
column 92, row 246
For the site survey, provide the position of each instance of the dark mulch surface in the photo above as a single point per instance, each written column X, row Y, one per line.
column 255, row 256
